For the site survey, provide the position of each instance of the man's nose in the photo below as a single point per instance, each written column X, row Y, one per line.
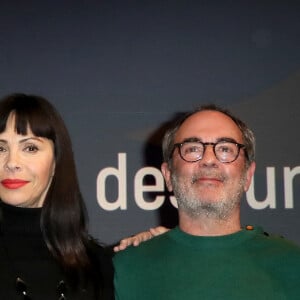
column 209, row 156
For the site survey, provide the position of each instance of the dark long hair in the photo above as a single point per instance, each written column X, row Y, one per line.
column 63, row 217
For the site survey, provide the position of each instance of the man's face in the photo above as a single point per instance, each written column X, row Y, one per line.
column 208, row 186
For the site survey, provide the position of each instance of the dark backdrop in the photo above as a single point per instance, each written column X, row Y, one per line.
column 118, row 70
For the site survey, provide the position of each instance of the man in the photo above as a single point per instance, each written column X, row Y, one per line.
column 209, row 164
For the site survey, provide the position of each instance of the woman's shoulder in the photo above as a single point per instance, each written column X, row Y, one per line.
column 101, row 250
column 102, row 256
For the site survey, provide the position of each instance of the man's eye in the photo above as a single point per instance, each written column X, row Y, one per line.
column 192, row 149
column 225, row 149
column 2, row 149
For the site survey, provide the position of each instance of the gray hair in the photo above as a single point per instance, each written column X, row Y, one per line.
column 248, row 136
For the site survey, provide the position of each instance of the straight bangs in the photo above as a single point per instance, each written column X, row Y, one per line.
column 38, row 122
column 30, row 113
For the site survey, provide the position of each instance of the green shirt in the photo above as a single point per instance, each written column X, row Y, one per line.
column 245, row 265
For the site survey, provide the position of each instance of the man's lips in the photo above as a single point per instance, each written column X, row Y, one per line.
column 209, row 179
column 212, row 182
column 213, row 179
column 13, row 183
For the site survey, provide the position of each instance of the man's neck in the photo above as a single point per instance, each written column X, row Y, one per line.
column 207, row 226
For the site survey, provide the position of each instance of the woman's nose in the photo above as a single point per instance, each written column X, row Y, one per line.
column 12, row 163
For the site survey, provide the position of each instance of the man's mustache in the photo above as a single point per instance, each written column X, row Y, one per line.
column 209, row 175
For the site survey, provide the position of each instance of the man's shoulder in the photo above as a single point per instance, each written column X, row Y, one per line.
column 149, row 249
column 277, row 243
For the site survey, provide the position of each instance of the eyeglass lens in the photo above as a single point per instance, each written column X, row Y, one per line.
column 224, row 151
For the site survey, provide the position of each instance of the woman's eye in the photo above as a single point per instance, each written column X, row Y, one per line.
column 2, row 149
column 31, row 148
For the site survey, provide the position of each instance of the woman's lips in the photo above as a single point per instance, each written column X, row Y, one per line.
column 13, row 183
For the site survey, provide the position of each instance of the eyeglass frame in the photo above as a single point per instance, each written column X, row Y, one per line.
column 205, row 144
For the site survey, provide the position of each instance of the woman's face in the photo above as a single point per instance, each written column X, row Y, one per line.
column 27, row 165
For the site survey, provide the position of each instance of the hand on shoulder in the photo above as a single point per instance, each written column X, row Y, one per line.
column 140, row 237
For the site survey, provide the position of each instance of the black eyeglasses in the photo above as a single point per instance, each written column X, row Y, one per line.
column 225, row 151
column 21, row 288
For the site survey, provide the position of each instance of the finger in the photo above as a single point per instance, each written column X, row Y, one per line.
column 124, row 243
column 158, row 230
column 141, row 237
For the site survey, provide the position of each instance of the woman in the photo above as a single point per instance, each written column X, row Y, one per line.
column 45, row 249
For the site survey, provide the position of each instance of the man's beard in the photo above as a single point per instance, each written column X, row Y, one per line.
column 195, row 204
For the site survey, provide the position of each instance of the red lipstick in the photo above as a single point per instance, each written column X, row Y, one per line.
column 13, row 183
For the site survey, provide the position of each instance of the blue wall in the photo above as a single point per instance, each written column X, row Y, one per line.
column 118, row 70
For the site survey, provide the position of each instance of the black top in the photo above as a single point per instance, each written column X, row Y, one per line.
column 24, row 254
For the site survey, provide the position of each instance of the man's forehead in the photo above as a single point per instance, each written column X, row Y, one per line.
column 209, row 125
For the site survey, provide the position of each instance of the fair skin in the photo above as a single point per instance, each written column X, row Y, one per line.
column 27, row 165
column 208, row 181
column 219, row 182
column 140, row 237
